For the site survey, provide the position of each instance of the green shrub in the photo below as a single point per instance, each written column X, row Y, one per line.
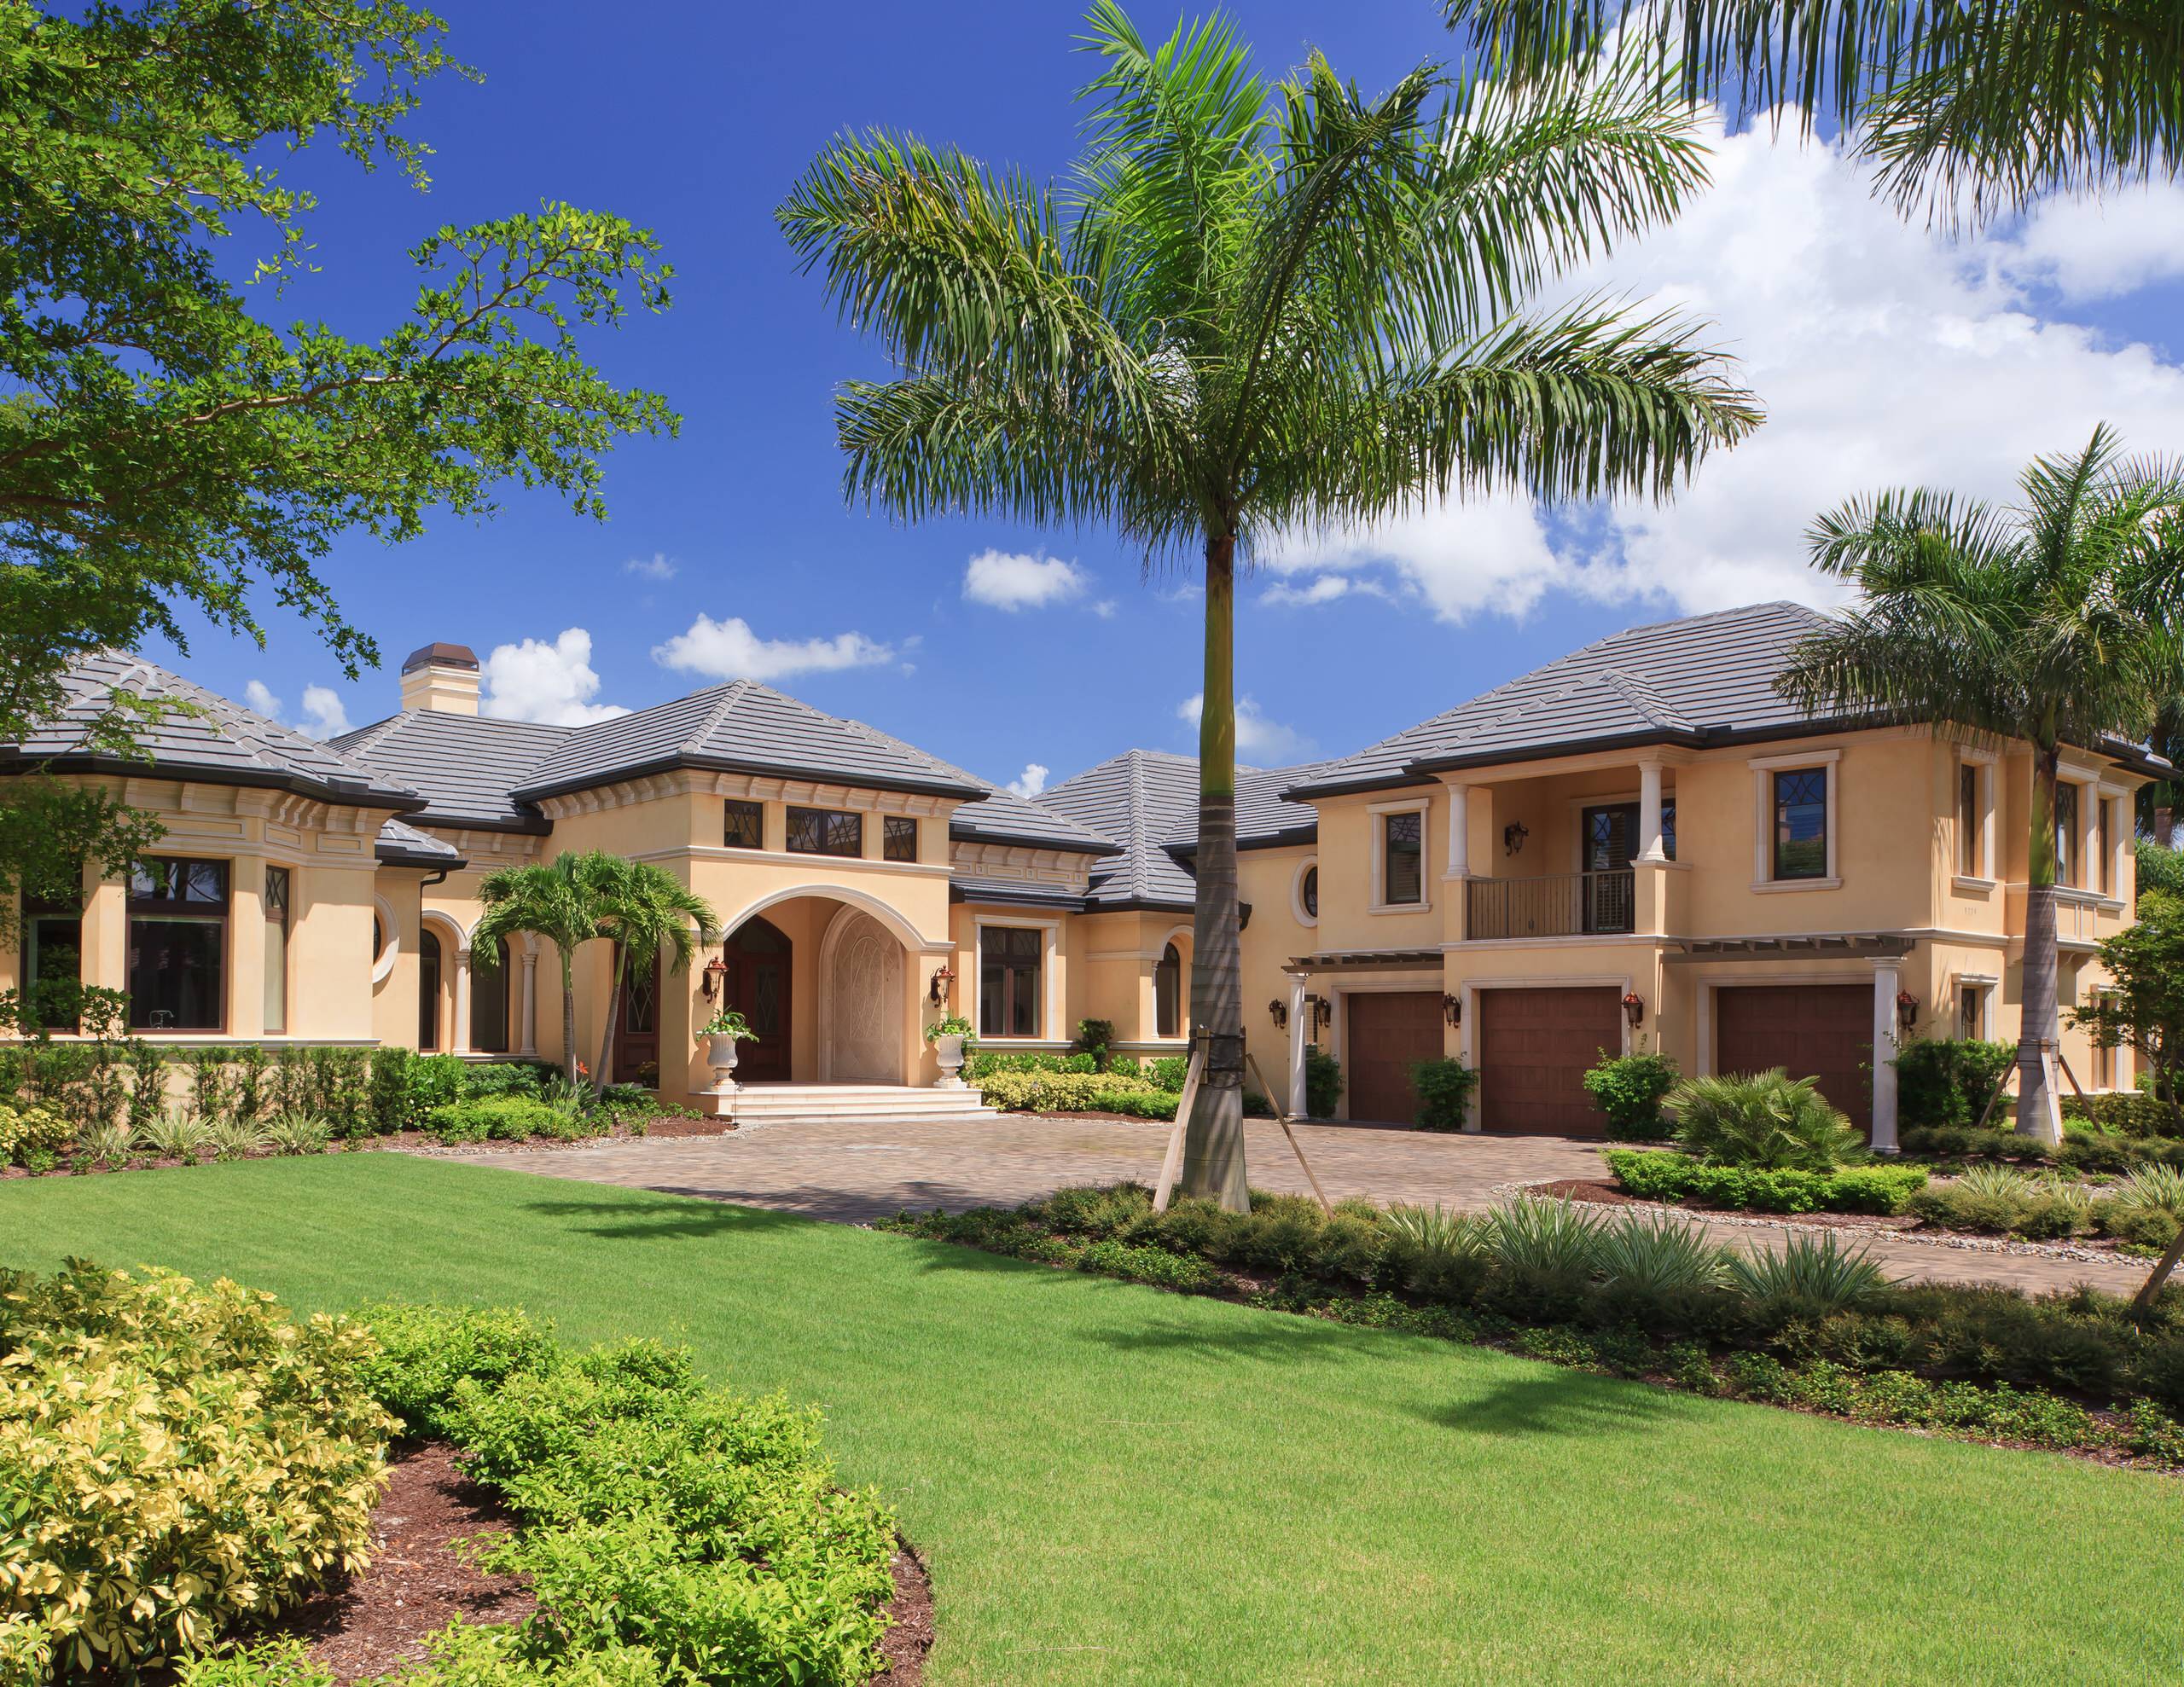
column 147, row 1084
column 1768, row 1120
column 1999, row 1335
column 1810, row 1276
column 234, row 1139
column 211, row 1096
column 477, row 1079
column 176, row 1136
column 1630, row 1088
column 2003, row 1200
column 2148, row 1227
column 434, row 1080
column 1946, row 1083
column 177, row 1457
column 425, row 1351
column 504, row 1118
column 2159, row 1372
column 1094, row 1038
column 1657, row 1174
column 1434, row 1252
column 1053, row 1091
column 1167, row 1073
column 1323, row 1083
column 984, row 1064
column 1443, row 1088
column 298, row 1133
column 2159, row 1188
column 2128, row 1113
column 392, row 1099
column 27, row 1130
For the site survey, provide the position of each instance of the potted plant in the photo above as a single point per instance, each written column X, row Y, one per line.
column 722, row 1033
column 952, row 1041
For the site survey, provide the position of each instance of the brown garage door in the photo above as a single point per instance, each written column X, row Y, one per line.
column 1534, row 1049
column 1823, row 1031
column 1389, row 1034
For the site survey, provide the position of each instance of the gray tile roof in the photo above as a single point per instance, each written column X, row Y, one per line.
column 400, row 845
column 215, row 739
column 1140, row 798
column 466, row 765
column 1013, row 892
column 1700, row 679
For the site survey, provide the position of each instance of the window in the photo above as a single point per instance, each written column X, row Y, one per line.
column 2103, row 871
column 1310, row 895
column 745, row 827
column 277, row 950
column 1801, row 823
column 898, row 838
column 428, row 991
column 1969, row 826
column 825, row 832
column 2066, row 834
column 1009, row 957
column 53, row 961
column 1667, row 827
column 1168, row 995
column 1971, row 1011
column 177, row 945
column 489, row 1001
column 1402, row 860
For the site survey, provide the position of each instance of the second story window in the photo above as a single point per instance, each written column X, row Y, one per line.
column 1801, row 823
column 1403, row 859
column 1968, row 826
column 1309, row 894
column 2066, row 834
column 745, row 825
column 898, row 838
column 825, row 832
column 177, row 945
column 2103, row 873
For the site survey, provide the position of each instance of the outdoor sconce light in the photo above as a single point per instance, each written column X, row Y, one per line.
column 1322, row 1012
column 1512, row 837
column 943, row 976
column 1906, row 1008
column 1452, row 1010
column 1243, row 916
column 709, row 982
column 1633, row 1009
column 1278, row 1010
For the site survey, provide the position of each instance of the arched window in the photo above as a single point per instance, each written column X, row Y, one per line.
column 429, row 990
column 1305, row 892
column 489, row 1003
column 1168, row 995
column 1312, row 891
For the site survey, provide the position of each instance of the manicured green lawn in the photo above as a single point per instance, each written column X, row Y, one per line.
column 1115, row 1485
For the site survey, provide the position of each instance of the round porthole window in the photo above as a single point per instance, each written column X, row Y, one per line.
column 1305, row 893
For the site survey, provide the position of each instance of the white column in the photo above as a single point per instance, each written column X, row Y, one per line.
column 1297, row 1028
column 1652, row 847
column 460, row 1041
column 1888, row 979
column 1459, row 831
column 529, row 1022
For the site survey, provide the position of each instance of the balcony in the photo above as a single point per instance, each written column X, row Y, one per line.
column 1560, row 905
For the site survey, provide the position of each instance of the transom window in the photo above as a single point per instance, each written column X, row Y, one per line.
column 1801, row 823
column 825, row 832
column 1402, row 858
column 177, row 945
column 2066, row 834
column 1009, row 960
column 898, row 838
column 744, row 825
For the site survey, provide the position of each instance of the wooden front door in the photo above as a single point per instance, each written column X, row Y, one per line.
column 1535, row 1047
column 758, row 956
column 1389, row 1034
column 1823, row 1031
column 636, row 1034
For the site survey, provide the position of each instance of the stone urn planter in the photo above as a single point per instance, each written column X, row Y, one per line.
column 949, row 1050
column 720, row 1055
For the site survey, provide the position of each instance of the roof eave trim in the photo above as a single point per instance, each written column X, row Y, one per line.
column 418, row 858
column 14, row 762
column 1026, row 840
column 719, row 764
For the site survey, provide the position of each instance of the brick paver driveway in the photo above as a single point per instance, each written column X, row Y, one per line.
column 851, row 1172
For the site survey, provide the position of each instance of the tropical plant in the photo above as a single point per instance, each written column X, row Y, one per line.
column 109, row 1144
column 298, row 1133
column 1249, row 316
column 234, row 1139
column 1438, row 1232
column 557, row 901
column 1974, row 105
column 651, row 917
column 1997, row 1183
column 2141, row 1005
column 1818, row 1273
column 1544, row 1239
column 174, row 1135
column 1653, row 1254
column 729, row 1023
column 2056, row 623
column 1767, row 1119
column 2155, row 1188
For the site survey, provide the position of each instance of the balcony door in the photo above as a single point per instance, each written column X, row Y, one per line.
column 1610, row 836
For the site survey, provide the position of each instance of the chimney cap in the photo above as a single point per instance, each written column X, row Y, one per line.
column 439, row 654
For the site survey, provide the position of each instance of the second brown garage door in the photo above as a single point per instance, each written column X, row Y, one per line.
column 1823, row 1031
column 1535, row 1047
column 1389, row 1034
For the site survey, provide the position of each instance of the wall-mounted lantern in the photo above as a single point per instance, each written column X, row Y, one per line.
column 1452, row 1010
column 709, row 982
column 1633, row 1009
column 1512, row 837
column 1906, row 1008
column 943, row 976
column 1278, row 1010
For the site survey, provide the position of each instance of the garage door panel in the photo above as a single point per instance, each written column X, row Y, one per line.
column 1822, row 1031
column 1389, row 1033
column 1535, row 1047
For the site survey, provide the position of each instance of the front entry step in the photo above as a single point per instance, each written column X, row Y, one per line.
column 772, row 1104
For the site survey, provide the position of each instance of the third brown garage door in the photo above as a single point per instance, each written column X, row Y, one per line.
column 1389, row 1034
column 1823, row 1031
column 1534, row 1049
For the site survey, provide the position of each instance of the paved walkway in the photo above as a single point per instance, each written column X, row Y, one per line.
column 852, row 1172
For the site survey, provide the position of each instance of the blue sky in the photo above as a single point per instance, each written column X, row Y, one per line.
column 1881, row 355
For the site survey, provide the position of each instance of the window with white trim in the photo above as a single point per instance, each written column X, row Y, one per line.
column 2066, row 834
column 1011, row 965
column 1402, row 858
column 1800, row 804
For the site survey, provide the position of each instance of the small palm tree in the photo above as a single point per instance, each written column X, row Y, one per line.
column 648, row 915
column 557, row 899
column 1963, row 105
column 2055, row 622
column 1259, row 311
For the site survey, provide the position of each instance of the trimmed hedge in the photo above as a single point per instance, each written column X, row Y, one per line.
column 2128, row 1113
column 2083, row 1148
column 1658, row 1174
column 500, row 1118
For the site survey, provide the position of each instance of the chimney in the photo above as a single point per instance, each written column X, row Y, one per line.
column 442, row 677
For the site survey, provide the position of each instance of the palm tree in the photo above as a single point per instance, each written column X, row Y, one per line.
column 1965, row 105
column 557, row 899
column 1250, row 314
column 648, row 912
column 2055, row 622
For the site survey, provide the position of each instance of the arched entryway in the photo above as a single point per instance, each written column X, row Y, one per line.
column 759, row 983
column 860, row 1001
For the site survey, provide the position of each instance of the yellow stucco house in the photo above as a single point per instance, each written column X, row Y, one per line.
column 1638, row 843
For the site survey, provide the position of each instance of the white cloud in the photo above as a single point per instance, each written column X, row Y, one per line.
column 1012, row 580
column 1105, row 608
column 1031, row 781
column 1323, row 588
column 1491, row 555
column 729, row 649
column 2089, row 249
column 1257, row 739
column 656, row 566
column 323, row 716
column 553, row 683
column 261, row 700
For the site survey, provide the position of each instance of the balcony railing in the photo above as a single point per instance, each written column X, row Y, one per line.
column 1560, row 905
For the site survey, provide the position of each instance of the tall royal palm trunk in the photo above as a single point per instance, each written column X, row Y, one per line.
column 2036, row 1115
column 1213, row 1143
column 568, row 1019
column 613, row 1018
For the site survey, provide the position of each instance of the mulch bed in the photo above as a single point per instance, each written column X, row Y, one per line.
column 421, row 1580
